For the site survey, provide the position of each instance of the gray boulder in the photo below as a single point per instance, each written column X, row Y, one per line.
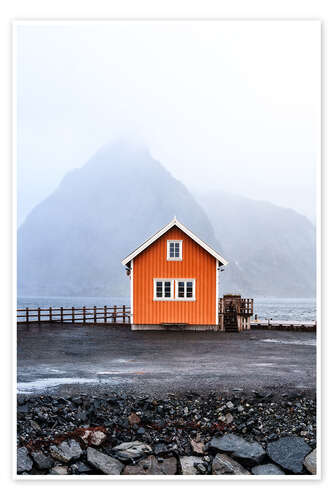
column 131, row 450
column 150, row 466
column 222, row 464
column 66, row 451
column 24, row 462
column 248, row 451
column 41, row 460
column 104, row 463
column 310, row 462
column 267, row 470
column 289, row 452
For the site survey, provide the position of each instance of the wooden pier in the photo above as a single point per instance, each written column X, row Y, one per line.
column 120, row 315
column 268, row 324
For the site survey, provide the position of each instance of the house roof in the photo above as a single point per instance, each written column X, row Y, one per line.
column 166, row 228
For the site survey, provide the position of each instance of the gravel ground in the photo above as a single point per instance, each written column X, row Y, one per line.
column 180, row 427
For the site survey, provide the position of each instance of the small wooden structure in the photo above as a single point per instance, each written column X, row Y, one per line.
column 235, row 313
column 105, row 314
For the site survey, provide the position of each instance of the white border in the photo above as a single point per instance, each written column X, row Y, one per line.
column 231, row 12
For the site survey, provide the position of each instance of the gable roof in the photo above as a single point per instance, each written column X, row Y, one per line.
column 166, row 228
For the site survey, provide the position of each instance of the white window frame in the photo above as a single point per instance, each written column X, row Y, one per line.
column 163, row 280
column 185, row 280
column 180, row 250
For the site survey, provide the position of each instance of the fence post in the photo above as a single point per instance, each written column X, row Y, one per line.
column 73, row 315
column 61, row 314
column 114, row 314
column 105, row 314
column 38, row 319
column 84, row 313
column 124, row 314
column 95, row 317
column 27, row 314
column 50, row 313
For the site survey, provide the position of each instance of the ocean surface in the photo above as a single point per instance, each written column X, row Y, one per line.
column 266, row 308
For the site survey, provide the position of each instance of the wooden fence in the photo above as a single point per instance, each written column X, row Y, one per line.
column 104, row 314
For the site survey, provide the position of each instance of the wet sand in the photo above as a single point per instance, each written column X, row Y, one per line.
column 72, row 358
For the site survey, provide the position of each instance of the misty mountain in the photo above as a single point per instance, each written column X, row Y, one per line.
column 270, row 249
column 73, row 242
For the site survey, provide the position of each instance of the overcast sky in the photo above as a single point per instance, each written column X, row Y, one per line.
column 222, row 105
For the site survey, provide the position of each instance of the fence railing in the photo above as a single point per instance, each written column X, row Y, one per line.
column 104, row 314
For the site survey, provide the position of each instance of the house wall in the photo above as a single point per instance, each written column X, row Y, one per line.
column 152, row 263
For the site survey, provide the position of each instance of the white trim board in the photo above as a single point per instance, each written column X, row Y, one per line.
column 166, row 228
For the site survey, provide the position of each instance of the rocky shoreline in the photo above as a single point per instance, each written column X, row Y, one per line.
column 258, row 433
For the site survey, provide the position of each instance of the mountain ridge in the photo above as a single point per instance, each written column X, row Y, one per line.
column 72, row 243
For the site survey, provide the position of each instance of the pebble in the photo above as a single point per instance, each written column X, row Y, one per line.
column 151, row 466
column 103, row 462
column 310, row 462
column 42, row 461
column 188, row 465
column 252, row 452
column 131, row 450
column 24, row 462
column 267, row 470
column 222, row 464
column 66, row 451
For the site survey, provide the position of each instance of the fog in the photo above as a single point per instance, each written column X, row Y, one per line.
column 222, row 105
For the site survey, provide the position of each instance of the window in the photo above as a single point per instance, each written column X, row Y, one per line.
column 170, row 289
column 163, row 289
column 185, row 289
column 174, row 250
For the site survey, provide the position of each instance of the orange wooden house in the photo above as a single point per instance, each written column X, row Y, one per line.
column 174, row 281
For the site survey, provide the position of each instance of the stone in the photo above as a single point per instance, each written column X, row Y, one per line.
column 249, row 451
column 59, row 470
column 197, row 447
column 66, row 451
column 160, row 449
column 24, row 462
column 289, row 452
column 41, row 460
column 134, row 419
column 229, row 418
column 310, row 462
column 82, row 468
column 131, row 450
column 267, row 470
column 103, row 462
column 222, row 464
column 230, row 405
column 93, row 437
column 188, row 465
column 150, row 466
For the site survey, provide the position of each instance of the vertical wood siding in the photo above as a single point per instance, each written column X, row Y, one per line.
column 197, row 264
